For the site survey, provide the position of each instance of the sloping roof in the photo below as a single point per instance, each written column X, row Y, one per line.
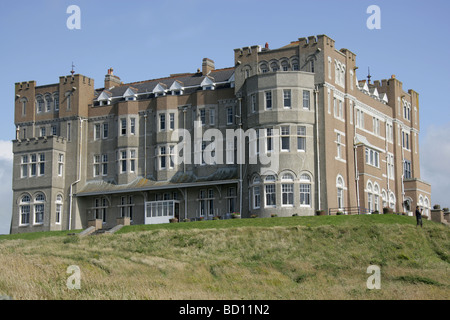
column 188, row 80
column 180, row 180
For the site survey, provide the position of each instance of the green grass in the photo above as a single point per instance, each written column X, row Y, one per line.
column 37, row 235
column 324, row 257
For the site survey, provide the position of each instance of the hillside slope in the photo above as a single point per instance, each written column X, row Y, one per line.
column 273, row 258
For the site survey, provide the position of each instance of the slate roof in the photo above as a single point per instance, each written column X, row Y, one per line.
column 187, row 80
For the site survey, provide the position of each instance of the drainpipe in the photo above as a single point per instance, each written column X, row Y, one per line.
column 79, row 174
column 242, row 154
column 316, row 103
column 145, row 145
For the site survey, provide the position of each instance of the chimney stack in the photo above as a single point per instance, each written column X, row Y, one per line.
column 207, row 66
column 111, row 80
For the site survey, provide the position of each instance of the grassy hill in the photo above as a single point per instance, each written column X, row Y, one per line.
column 323, row 257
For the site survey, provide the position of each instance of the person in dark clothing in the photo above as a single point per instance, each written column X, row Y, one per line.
column 419, row 216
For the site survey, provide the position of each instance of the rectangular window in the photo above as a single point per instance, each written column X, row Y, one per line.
column 230, row 115
column 270, row 195
column 253, row 102
column 104, row 164
column 60, row 164
column 335, row 107
column 42, row 132
column 105, row 130
column 407, row 169
column 305, row 194
column 172, row 121
column 24, row 166
column 212, row 117
column 171, row 157
column 33, row 165
column 231, row 200
column 123, row 126
column 54, row 130
column 58, row 213
column 287, row 98
column 372, row 157
column 268, row 95
column 132, row 160
column 162, row 122
column 96, row 131
column 269, row 140
column 203, row 116
column 69, row 101
column 306, row 99
column 301, row 138
column 287, row 191
column 162, row 154
column 39, row 214
column 285, row 141
column 41, row 164
column 123, row 161
column 133, row 125
column 256, row 198
column 96, row 165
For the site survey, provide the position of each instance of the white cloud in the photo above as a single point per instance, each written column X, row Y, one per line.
column 6, row 160
column 435, row 159
column 6, row 150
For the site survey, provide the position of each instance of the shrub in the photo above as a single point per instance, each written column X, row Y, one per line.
column 375, row 212
column 445, row 209
column 387, row 210
column 339, row 213
column 295, row 215
column 437, row 206
column 320, row 212
column 216, row 218
column 187, row 220
column 254, row 216
column 273, row 215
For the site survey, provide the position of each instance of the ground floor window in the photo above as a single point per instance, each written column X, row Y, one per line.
column 100, row 209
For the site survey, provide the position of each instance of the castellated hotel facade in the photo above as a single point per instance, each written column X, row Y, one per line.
column 105, row 156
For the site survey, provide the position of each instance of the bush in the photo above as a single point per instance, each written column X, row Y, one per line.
column 445, row 209
column 273, row 215
column 320, row 212
column 254, row 216
column 436, row 206
column 216, row 218
column 187, row 220
column 375, row 212
column 339, row 213
column 387, row 210
column 295, row 215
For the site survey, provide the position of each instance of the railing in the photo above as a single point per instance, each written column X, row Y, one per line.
column 349, row 210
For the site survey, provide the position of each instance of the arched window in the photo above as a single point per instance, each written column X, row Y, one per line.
column 287, row 177
column 392, row 201
column 59, row 204
column 305, row 190
column 24, row 209
column 274, row 66
column 263, row 67
column 384, row 198
column 340, row 185
column 48, row 103
column 376, row 197
column 256, row 188
column 39, row 104
column 369, row 197
column 270, row 192
column 295, row 64
column 23, row 103
column 39, row 201
column 284, row 65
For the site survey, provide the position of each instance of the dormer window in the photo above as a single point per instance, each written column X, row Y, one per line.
column 176, row 88
column 208, row 84
column 160, row 90
column 130, row 94
column 104, row 98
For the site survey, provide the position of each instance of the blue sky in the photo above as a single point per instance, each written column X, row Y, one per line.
column 149, row 39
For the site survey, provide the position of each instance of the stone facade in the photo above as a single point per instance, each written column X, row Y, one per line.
column 82, row 153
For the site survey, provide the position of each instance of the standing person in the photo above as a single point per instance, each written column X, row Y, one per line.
column 419, row 216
